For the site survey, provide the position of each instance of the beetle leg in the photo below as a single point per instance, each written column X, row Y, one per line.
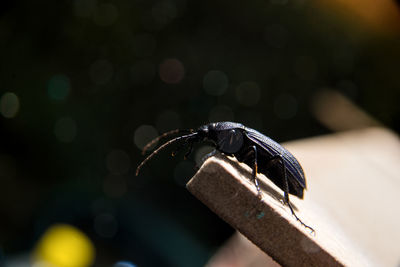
column 189, row 150
column 253, row 150
column 286, row 192
column 181, row 145
column 255, row 170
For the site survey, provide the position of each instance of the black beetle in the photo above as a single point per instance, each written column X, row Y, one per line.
column 249, row 146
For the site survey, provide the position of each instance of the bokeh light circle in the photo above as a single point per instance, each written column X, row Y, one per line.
column 124, row 264
column 215, row 83
column 248, row 93
column 172, row 71
column 58, row 87
column 143, row 135
column 64, row 246
column 9, row 105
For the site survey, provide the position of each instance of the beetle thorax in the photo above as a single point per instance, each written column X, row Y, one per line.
column 229, row 141
column 226, row 137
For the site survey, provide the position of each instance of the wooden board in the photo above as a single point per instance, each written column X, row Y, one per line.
column 352, row 201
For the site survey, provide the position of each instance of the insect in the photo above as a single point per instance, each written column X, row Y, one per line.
column 249, row 146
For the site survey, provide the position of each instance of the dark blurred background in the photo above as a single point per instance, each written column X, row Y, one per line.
column 85, row 84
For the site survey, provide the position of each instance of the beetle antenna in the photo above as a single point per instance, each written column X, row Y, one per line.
column 158, row 138
column 162, row 147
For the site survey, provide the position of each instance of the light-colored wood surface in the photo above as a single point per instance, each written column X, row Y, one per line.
column 353, row 181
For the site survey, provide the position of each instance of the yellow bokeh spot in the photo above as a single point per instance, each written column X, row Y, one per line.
column 63, row 245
